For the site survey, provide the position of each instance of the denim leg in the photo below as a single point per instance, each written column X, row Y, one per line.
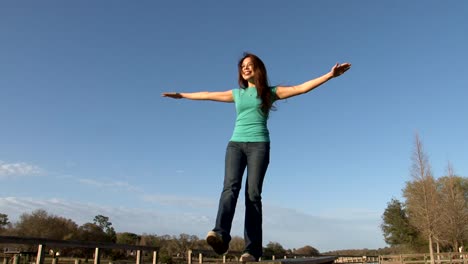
column 235, row 165
column 258, row 158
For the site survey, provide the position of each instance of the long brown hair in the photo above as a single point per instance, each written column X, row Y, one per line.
column 261, row 82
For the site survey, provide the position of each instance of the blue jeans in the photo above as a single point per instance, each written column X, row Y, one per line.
column 256, row 157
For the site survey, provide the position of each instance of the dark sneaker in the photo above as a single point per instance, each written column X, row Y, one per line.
column 216, row 242
column 246, row 257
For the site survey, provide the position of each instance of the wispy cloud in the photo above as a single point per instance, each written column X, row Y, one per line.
column 161, row 199
column 19, row 169
column 136, row 220
column 177, row 202
column 120, row 185
column 174, row 200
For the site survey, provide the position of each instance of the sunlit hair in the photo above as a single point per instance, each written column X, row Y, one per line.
column 261, row 82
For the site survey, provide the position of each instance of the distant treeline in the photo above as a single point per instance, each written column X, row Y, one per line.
column 41, row 224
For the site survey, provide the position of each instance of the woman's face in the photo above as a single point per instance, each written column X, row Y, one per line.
column 247, row 69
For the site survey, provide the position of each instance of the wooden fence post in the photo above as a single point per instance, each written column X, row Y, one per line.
column 189, row 256
column 138, row 257
column 155, row 257
column 77, row 261
column 16, row 259
column 200, row 258
column 224, row 258
column 40, row 254
column 97, row 256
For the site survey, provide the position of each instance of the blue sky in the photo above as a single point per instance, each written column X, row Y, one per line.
column 85, row 131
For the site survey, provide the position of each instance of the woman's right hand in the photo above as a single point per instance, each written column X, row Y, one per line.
column 172, row 95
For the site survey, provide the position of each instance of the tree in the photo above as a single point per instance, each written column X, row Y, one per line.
column 274, row 249
column 165, row 242
column 43, row 225
column 307, row 251
column 454, row 208
column 92, row 232
column 422, row 198
column 396, row 227
column 180, row 245
column 124, row 238
column 4, row 220
column 237, row 244
column 128, row 238
column 103, row 222
column 4, row 223
column 147, row 240
column 185, row 242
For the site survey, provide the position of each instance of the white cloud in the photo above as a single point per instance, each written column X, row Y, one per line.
column 180, row 201
column 18, row 169
column 149, row 220
column 105, row 184
column 167, row 200
column 289, row 227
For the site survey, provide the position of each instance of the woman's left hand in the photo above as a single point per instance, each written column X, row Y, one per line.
column 339, row 69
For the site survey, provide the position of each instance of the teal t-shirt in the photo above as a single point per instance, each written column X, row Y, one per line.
column 251, row 123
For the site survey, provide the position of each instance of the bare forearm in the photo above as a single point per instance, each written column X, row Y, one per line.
column 287, row 92
column 310, row 85
column 225, row 96
column 196, row 96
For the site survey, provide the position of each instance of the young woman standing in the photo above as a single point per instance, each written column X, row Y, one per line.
column 249, row 147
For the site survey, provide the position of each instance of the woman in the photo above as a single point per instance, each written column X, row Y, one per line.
column 249, row 147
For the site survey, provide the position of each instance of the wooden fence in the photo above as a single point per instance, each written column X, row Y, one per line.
column 42, row 243
column 356, row 259
column 203, row 256
column 439, row 258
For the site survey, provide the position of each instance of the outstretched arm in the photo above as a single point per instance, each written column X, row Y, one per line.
column 285, row 92
column 212, row 96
